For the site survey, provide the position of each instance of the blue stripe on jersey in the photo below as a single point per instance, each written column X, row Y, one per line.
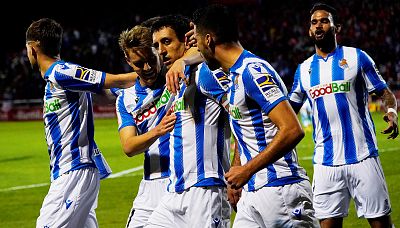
column 126, row 117
column 55, row 133
column 90, row 123
column 244, row 150
column 344, row 111
column 239, row 136
column 289, row 160
column 257, row 121
column 322, row 115
column 369, row 71
column 77, row 85
column 164, row 155
column 163, row 146
column 178, row 150
column 200, row 104
column 221, row 142
column 73, row 107
column 56, row 138
column 362, row 99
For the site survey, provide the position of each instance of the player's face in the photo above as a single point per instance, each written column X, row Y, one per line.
column 168, row 45
column 204, row 48
column 322, row 28
column 146, row 63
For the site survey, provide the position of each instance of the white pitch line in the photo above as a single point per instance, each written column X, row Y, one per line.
column 128, row 171
column 115, row 175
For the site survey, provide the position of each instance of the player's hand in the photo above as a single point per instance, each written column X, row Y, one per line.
column 190, row 40
column 237, row 176
column 393, row 128
column 167, row 123
column 174, row 75
column 233, row 196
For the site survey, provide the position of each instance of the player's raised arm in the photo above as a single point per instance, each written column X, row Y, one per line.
column 123, row 81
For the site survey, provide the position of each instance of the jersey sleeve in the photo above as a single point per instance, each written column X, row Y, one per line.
column 370, row 72
column 124, row 117
column 76, row 78
column 297, row 95
column 213, row 84
column 261, row 84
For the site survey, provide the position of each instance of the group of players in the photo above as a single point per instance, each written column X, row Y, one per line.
column 179, row 119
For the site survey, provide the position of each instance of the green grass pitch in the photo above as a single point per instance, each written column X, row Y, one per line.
column 24, row 173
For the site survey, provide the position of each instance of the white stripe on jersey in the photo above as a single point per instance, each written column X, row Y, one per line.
column 200, row 140
column 144, row 108
column 68, row 116
column 337, row 88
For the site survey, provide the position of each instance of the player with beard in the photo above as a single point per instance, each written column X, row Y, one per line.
column 276, row 190
column 336, row 81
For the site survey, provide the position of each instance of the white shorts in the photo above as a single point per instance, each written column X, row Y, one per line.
column 147, row 199
column 283, row 206
column 333, row 188
column 71, row 200
column 195, row 207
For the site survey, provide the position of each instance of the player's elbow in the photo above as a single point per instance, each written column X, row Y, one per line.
column 294, row 134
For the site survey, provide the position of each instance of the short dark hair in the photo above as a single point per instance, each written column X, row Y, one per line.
column 327, row 8
column 49, row 35
column 149, row 22
column 180, row 24
column 217, row 20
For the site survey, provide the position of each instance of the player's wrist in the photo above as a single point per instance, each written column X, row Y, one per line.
column 392, row 110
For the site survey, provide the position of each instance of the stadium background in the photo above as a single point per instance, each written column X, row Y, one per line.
column 275, row 30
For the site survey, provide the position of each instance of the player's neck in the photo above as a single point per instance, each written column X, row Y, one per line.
column 228, row 54
column 45, row 62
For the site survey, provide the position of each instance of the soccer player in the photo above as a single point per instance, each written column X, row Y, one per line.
column 336, row 81
column 277, row 192
column 144, row 122
column 199, row 144
column 75, row 160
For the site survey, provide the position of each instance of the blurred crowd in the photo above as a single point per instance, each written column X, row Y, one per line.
column 277, row 32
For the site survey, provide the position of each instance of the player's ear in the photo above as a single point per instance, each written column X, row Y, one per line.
column 210, row 41
column 309, row 33
column 338, row 28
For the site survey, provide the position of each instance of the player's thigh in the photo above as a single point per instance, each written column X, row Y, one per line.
column 208, row 207
column 368, row 188
column 331, row 197
column 70, row 199
column 149, row 196
column 298, row 202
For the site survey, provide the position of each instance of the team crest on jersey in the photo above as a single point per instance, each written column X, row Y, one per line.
column 85, row 74
column 343, row 64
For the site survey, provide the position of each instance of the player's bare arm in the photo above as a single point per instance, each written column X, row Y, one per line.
column 176, row 72
column 234, row 194
column 122, row 81
column 389, row 101
column 134, row 144
column 290, row 133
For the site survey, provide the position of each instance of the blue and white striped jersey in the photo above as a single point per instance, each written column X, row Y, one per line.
column 144, row 108
column 254, row 90
column 200, row 140
column 68, row 116
column 337, row 88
